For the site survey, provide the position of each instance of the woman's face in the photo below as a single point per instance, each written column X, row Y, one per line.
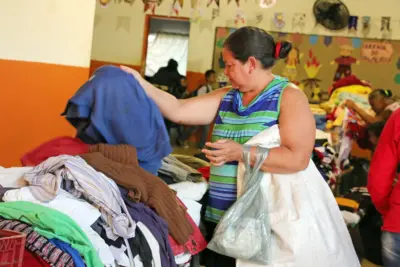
column 236, row 71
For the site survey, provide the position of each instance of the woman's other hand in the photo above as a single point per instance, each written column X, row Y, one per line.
column 223, row 151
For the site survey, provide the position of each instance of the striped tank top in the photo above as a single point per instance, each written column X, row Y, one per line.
column 239, row 123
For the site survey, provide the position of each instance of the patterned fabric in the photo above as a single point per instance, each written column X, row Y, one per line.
column 239, row 123
column 39, row 244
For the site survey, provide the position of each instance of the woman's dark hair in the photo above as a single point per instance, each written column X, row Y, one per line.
column 380, row 92
column 248, row 42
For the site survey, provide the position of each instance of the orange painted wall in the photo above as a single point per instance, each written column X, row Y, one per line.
column 33, row 95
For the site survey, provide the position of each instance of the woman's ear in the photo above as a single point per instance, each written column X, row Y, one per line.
column 252, row 61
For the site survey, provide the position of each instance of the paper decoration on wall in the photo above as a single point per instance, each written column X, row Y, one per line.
column 240, row 18
column 104, row 3
column 366, row 25
column 209, row 2
column 205, row 24
column 222, row 79
column 124, row 22
column 215, row 13
column 267, row 3
column 97, row 19
column 353, row 23
column 397, row 78
column 344, row 62
column 297, row 38
column 129, row 2
column 328, row 40
column 259, row 18
column 220, row 35
column 377, row 52
column 356, row 42
column 176, row 7
column 221, row 62
column 398, row 63
column 299, row 20
column 342, row 40
column 197, row 11
column 150, row 5
column 314, row 39
column 290, row 69
column 385, row 27
column 312, row 68
column 279, row 20
column 385, row 24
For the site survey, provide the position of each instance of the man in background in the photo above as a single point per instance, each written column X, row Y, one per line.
column 385, row 189
column 211, row 79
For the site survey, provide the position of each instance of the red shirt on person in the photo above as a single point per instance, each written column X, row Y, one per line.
column 385, row 194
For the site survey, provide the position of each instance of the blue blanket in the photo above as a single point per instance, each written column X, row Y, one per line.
column 113, row 108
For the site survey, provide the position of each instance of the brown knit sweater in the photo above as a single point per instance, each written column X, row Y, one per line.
column 119, row 162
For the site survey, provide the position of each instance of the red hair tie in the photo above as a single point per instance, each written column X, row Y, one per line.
column 277, row 49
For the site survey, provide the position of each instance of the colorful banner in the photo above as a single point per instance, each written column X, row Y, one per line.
column 377, row 52
column 353, row 23
column 328, row 40
column 279, row 20
column 267, row 3
column 209, row 2
column 123, row 22
column 356, row 42
column 215, row 13
column 314, row 39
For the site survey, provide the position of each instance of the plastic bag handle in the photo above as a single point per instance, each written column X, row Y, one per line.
column 261, row 155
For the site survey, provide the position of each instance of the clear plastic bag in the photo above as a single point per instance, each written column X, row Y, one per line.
column 244, row 232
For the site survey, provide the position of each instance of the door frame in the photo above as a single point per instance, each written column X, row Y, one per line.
column 146, row 34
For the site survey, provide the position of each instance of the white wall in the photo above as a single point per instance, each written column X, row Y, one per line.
column 126, row 47
column 47, row 31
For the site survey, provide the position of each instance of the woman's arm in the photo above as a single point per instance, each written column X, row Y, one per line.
column 365, row 116
column 297, row 132
column 199, row 110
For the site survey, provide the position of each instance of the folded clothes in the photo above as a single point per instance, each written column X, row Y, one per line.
column 179, row 171
column 52, row 224
column 190, row 190
column 120, row 164
column 39, row 244
column 58, row 146
column 74, row 175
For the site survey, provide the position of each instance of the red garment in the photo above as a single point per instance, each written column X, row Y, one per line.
column 346, row 81
column 33, row 260
column 205, row 171
column 59, row 146
column 383, row 171
column 196, row 242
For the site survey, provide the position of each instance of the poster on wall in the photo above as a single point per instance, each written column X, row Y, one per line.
column 314, row 68
column 377, row 52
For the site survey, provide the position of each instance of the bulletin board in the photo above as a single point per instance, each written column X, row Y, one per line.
column 316, row 61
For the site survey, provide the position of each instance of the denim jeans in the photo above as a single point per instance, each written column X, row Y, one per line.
column 391, row 249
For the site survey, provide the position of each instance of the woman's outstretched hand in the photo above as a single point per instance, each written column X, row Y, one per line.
column 223, row 151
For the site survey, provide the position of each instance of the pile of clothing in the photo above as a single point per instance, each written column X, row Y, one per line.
column 97, row 199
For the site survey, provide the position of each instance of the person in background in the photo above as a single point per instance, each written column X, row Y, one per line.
column 179, row 92
column 211, row 79
column 385, row 190
column 168, row 76
column 382, row 103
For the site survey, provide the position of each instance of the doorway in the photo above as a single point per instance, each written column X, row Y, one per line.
column 165, row 38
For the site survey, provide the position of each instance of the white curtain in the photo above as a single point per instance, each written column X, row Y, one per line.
column 161, row 47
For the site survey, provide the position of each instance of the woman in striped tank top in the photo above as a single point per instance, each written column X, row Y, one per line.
column 258, row 100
